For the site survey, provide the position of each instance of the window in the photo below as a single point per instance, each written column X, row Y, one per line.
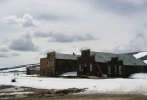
column 120, row 70
column 79, row 67
column 51, row 63
column 90, row 67
column 115, row 69
column 109, row 69
column 140, row 69
column 85, row 65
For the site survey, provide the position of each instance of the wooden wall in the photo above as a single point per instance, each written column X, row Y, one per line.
column 44, row 67
column 63, row 65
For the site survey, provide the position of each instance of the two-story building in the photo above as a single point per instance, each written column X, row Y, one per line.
column 113, row 65
column 55, row 64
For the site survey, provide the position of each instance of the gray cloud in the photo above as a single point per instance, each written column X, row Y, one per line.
column 64, row 38
column 14, row 54
column 135, row 45
column 3, row 55
column 74, row 38
column 123, row 48
column 8, row 54
column 24, row 43
column 43, row 35
column 6, row 41
column 4, row 49
column 54, row 17
column 122, row 7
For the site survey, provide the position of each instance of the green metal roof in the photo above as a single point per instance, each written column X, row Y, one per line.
column 126, row 58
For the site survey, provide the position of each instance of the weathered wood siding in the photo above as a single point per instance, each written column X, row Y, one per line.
column 44, row 67
column 86, row 64
column 63, row 65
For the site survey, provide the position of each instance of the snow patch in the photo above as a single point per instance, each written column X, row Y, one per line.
column 139, row 55
column 138, row 76
column 69, row 74
column 145, row 61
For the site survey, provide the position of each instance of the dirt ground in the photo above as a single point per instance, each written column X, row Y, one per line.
column 67, row 94
column 91, row 97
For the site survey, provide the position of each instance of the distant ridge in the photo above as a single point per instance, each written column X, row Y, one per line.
column 20, row 66
column 132, row 53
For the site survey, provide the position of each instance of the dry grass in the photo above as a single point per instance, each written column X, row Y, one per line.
column 5, row 86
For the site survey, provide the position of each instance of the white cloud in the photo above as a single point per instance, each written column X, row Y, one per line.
column 26, row 21
column 137, row 44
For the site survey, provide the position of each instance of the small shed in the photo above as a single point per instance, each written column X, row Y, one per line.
column 33, row 70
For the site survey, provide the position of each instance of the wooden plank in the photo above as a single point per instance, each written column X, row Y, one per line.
column 99, row 69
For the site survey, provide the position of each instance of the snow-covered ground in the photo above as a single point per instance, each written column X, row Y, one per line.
column 138, row 76
column 116, row 86
column 15, row 69
column 69, row 74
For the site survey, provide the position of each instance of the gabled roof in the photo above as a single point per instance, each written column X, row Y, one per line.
column 127, row 59
column 103, row 57
column 66, row 56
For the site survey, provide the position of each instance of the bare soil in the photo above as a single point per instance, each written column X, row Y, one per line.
column 5, row 86
column 66, row 94
column 91, row 97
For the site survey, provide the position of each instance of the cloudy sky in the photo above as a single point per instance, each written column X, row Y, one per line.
column 31, row 28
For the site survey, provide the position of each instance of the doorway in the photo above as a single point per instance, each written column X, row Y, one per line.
column 85, row 70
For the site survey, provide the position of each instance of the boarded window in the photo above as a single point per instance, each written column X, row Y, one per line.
column 140, row 69
column 90, row 67
column 120, row 70
column 51, row 63
column 79, row 67
column 109, row 69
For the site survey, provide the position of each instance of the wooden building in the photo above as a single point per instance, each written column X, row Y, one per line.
column 33, row 70
column 43, row 67
column 55, row 64
column 113, row 65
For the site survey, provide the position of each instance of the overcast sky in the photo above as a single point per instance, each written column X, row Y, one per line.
column 31, row 28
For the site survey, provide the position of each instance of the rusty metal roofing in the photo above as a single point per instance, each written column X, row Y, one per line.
column 66, row 56
column 126, row 58
column 34, row 68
